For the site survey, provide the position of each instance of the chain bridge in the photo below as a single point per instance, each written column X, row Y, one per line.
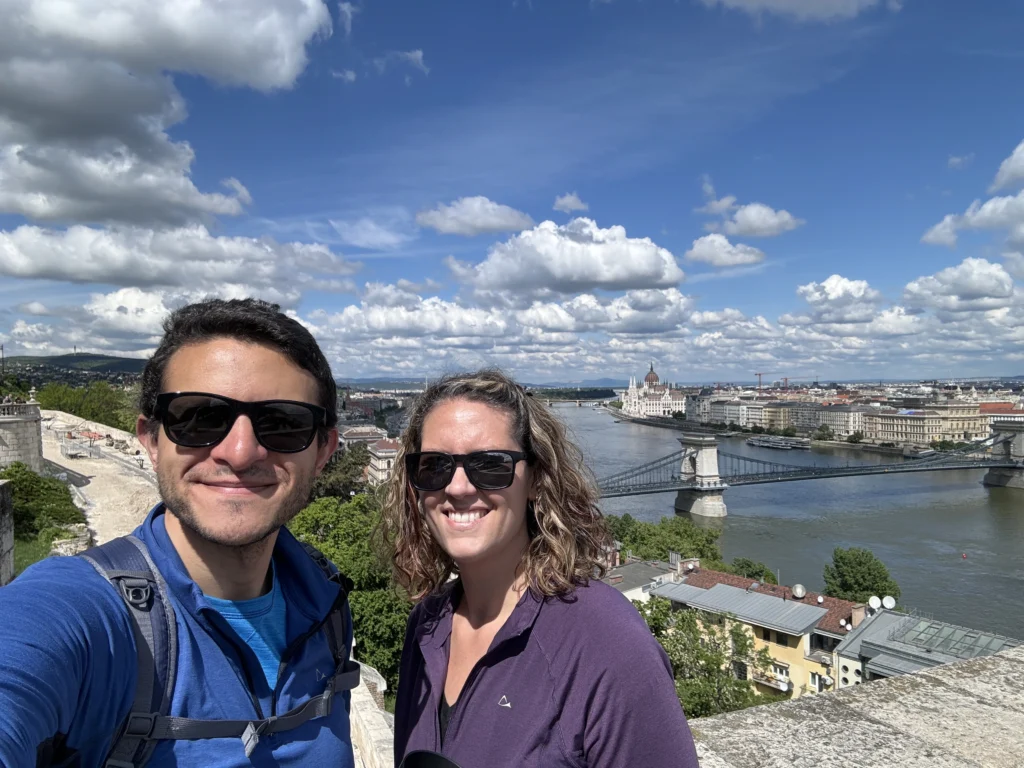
column 700, row 472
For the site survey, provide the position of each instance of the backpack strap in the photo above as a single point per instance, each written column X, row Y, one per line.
column 126, row 564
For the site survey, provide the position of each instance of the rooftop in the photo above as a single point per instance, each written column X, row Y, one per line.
column 964, row 715
column 793, row 617
column 837, row 610
column 636, row 574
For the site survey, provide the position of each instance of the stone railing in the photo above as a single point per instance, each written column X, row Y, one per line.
column 373, row 731
column 19, row 410
column 6, row 533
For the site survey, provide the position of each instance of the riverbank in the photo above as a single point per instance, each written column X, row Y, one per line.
column 865, row 447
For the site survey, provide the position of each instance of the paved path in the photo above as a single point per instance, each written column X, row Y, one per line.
column 118, row 493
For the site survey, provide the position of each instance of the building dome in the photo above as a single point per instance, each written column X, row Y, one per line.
column 651, row 378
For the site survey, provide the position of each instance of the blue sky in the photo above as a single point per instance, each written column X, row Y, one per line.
column 762, row 182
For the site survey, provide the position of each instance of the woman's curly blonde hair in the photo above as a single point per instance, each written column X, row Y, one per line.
column 568, row 537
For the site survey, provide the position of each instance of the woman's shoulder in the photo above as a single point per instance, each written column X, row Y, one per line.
column 596, row 612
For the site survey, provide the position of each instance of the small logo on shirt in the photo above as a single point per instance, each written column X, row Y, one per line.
column 320, row 675
column 505, row 702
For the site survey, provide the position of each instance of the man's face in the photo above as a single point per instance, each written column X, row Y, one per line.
column 235, row 493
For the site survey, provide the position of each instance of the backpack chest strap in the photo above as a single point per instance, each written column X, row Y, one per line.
column 156, row 727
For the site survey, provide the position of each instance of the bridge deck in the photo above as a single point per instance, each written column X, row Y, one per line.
column 665, row 474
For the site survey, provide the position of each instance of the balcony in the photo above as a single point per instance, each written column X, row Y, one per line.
column 820, row 657
column 778, row 682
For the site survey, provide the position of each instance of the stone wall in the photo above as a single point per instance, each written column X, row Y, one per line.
column 6, row 533
column 21, row 435
column 373, row 732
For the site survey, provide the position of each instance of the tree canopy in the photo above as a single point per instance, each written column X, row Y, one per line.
column 856, row 574
column 713, row 658
column 39, row 502
column 654, row 541
column 343, row 530
column 97, row 402
column 343, row 475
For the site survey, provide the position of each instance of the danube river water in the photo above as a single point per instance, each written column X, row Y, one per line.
column 919, row 524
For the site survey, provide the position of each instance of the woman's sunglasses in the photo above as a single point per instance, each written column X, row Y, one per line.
column 486, row 470
column 201, row 420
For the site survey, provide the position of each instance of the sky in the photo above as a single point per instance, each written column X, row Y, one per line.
column 567, row 189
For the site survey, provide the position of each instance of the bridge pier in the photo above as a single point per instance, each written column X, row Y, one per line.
column 1013, row 449
column 700, row 466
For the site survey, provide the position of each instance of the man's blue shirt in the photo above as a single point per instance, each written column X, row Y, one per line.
column 260, row 623
column 68, row 663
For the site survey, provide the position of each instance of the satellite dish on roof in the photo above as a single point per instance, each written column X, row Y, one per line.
column 799, row 591
column 842, row 622
column 820, row 599
column 889, row 602
column 875, row 603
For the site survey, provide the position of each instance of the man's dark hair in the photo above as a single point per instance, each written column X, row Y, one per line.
column 247, row 320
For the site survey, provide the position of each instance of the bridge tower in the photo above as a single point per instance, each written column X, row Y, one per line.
column 700, row 466
column 1012, row 449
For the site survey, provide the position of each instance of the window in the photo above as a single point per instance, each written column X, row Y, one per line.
column 781, row 671
column 781, row 638
column 766, row 635
column 739, row 670
column 817, row 684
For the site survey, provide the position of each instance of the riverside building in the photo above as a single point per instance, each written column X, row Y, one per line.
column 652, row 398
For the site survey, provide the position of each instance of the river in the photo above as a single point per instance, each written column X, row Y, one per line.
column 919, row 524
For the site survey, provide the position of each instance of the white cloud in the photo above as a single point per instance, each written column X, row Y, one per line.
column 805, row 10
column 943, row 233
column 346, row 13
column 578, row 256
column 570, row 202
column 471, row 216
column 86, row 102
column 345, row 75
column 717, row 251
column 412, row 58
column 750, row 220
column 958, row 162
column 760, row 220
column 381, row 230
column 838, row 290
column 1011, row 170
column 712, row 319
column 186, row 257
column 836, row 301
column 971, row 286
column 996, row 213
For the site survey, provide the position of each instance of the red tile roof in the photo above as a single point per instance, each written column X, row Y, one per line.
column 995, row 407
column 837, row 609
column 387, row 445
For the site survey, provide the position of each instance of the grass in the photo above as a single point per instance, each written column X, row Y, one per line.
column 28, row 551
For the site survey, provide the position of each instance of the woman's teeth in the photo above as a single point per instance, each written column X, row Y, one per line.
column 465, row 517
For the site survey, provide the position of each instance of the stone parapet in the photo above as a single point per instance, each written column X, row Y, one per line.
column 6, row 533
column 21, row 437
column 964, row 715
column 373, row 734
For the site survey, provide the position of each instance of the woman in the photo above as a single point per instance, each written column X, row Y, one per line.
column 525, row 659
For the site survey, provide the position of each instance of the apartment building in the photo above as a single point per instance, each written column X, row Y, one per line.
column 800, row 629
column 383, row 455
column 776, row 416
column 903, row 427
column 843, row 420
column 962, row 421
column 365, row 433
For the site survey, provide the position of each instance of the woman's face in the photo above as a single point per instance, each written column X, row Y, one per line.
column 475, row 526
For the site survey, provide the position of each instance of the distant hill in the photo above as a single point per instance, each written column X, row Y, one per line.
column 84, row 361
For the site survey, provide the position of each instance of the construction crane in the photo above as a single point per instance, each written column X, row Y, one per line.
column 759, row 375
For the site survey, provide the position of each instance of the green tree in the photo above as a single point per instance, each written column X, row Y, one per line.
column 713, row 658
column 753, row 569
column 789, row 432
column 824, row 432
column 856, row 574
column 654, row 541
column 97, row 402
column 856, row 437
column 343, row 475
column 343, row 530
column 39, row 502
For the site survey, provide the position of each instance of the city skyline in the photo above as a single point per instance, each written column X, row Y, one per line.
column 569, row 191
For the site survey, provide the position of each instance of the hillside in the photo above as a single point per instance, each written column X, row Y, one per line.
column 83, row 361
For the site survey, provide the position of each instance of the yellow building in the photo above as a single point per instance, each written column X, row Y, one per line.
column 903, row 427
column 800, row 629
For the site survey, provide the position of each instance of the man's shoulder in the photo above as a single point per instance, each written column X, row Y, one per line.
column 70, row 581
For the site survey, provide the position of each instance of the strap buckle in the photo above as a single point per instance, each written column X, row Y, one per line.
column 138, row 592
column 140, row 725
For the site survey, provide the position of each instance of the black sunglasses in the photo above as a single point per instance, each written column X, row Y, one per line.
column 487, row 470
column 201, row 420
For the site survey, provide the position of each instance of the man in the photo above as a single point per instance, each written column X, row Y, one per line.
column 238, row 417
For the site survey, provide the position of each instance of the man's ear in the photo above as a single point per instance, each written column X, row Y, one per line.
column 325, row 451
column 149, row 437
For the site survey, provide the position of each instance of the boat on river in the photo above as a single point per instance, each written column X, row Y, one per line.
column 780, row 443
